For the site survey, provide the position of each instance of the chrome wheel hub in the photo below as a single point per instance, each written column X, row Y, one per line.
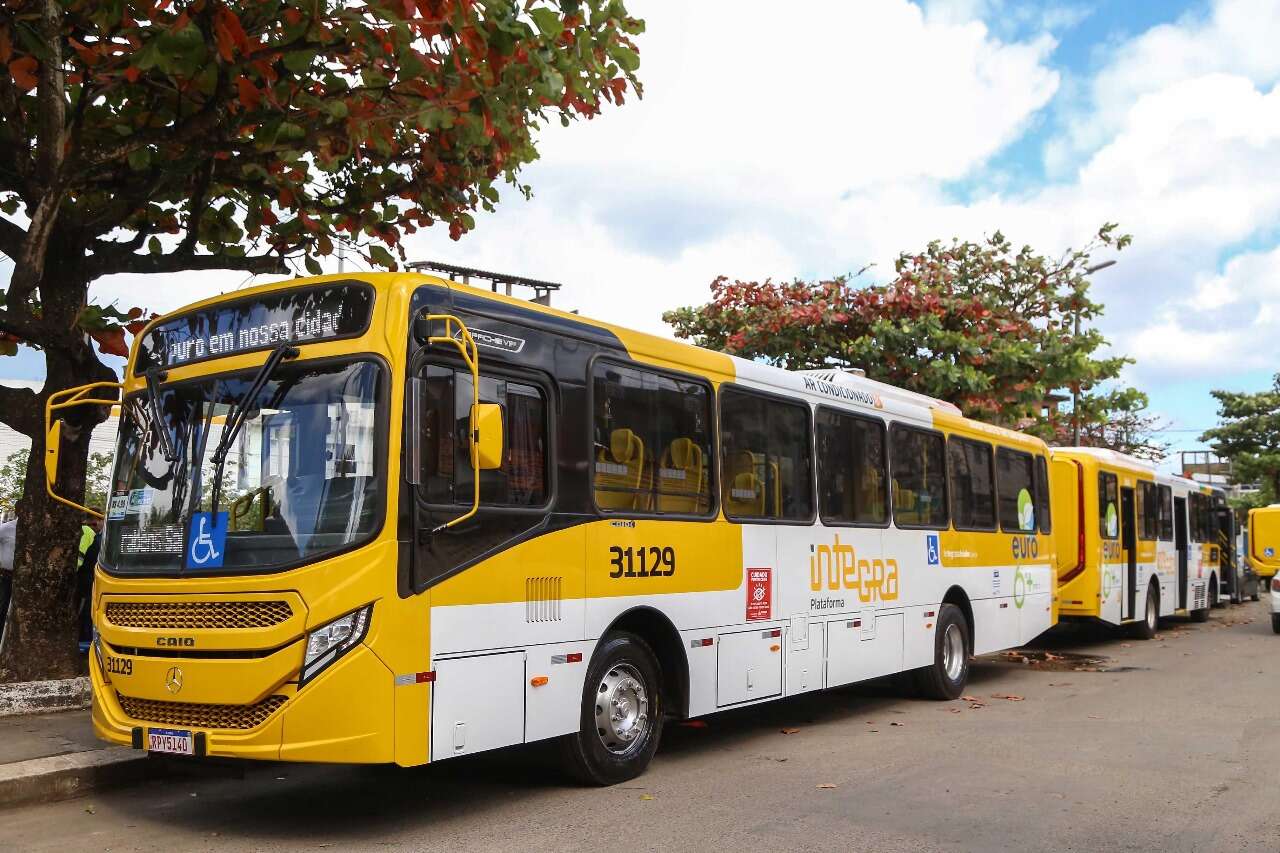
column 953, row 652
column 622, row 709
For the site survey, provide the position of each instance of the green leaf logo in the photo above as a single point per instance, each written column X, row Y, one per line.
column 1026, row 511
column 1113, row 520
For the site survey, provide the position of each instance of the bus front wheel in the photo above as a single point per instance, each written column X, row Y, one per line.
column 1150, row 624
column 622, row 709
column 946, row 677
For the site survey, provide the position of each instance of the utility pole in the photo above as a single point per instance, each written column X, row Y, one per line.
column 1075, row 391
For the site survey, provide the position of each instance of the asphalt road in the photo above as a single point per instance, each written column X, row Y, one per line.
column 1170, row 745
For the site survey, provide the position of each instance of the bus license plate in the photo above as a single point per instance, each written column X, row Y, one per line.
column 170, row 740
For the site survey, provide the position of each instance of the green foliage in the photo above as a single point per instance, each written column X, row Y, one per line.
column 1115, row 418
column 983, row 325
column 1248, row 434
column 13, row 475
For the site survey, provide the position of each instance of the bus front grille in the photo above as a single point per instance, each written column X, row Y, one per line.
column 194, row 615
column 201, row 716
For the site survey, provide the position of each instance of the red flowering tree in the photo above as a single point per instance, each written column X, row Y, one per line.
column 986, row 326
column 157, row 136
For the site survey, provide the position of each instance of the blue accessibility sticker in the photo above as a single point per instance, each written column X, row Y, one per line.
column 206, row 540
column 931, row 544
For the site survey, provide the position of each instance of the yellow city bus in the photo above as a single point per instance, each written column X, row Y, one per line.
column 396, row 518
column 1133, row 545
column 1264, row 541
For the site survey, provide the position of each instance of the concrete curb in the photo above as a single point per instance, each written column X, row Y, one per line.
column 38, row 697
column 60, row 777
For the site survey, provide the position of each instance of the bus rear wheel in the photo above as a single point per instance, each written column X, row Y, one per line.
column 1275, row 622
column 1146, row 629
column 946, row 677
column 622, row 709
column 1215, row 600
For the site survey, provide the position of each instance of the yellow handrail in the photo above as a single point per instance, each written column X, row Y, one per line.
column 461, row 339
column 57, row 401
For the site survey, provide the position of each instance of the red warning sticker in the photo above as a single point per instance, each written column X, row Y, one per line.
column 759, row 594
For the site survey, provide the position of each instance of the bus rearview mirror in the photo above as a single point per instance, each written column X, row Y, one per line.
column 486, row 441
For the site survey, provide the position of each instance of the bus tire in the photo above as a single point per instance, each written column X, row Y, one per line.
column 622, row 710
column 1275, row 622
column 946, row 677
column 1215, row 600
column 1150, row 623
column 1201, row 615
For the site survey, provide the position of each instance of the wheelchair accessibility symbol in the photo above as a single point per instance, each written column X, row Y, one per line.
column 931, row 547
column 206, row 540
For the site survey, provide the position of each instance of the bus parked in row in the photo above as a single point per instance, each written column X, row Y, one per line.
column 1264, row 541
column 1135, row 545
column 395, row 518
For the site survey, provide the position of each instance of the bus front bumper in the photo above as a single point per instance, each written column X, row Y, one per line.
column 345, row 715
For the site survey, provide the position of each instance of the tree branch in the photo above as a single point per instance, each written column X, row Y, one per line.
column 11, row 238
column 19, row 410
column 183, row 261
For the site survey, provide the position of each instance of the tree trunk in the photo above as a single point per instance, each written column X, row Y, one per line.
column 41, row 633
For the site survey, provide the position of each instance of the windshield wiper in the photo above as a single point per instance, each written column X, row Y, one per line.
column 157, row 423
column 239, row 412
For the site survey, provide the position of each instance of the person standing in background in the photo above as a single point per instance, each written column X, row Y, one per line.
column 8, row 533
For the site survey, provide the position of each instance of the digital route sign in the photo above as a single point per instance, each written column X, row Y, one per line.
column 298, row 316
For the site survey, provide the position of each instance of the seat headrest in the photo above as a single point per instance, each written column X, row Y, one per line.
column 624, row 446
column 685, row 454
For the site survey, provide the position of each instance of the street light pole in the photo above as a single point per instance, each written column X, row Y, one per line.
column 1075, row 391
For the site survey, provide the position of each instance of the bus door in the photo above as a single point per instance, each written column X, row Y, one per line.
column 1180, row 542
column 1225, row 536
column 1129, row 542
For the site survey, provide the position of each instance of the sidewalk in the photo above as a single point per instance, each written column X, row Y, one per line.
column 54, row 756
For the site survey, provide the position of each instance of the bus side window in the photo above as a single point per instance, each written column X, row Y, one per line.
column 1166, row 513
column 767, row 467
column 1042, row 495
column 851, row 465
column 918, row 469
column 1015, row 483
column 652, row 441
column 445, row 418
column 1108, row 505
column 971, row 484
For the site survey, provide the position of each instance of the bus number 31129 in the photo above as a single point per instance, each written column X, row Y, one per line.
column 642, row 562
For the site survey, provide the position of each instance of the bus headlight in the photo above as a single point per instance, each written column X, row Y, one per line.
column 333, row 640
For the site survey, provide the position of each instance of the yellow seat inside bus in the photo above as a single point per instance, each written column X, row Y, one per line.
column 747, row 485
column 621, row 473
column 682, row 478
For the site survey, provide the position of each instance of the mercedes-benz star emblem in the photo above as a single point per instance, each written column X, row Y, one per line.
column 173, row 679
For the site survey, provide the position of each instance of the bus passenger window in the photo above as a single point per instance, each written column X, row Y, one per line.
column 971, row 484
column 767, row 468
column 445, row 421
column 1015, row 482
column 1166, row 514
column 917, row 464
column 1042, row 495
column 851, row 482
column 1148, row 510
column 652, row 442
column 1108, row 505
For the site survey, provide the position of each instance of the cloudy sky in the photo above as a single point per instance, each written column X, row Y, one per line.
column 812, row 138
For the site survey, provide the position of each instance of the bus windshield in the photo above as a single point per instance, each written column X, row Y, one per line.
column 302, row 478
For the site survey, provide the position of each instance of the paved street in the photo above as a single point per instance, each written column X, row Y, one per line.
column 1169, row 745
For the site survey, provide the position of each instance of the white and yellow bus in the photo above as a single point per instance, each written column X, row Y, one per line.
column 396, row 518
column 1133, row 545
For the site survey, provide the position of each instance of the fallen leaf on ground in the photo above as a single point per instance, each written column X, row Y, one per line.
column 789, row 731
column 970, row 699
column 954, row 710
column 646, row 796
column 828, row 785
column 1009, row 696
column 895, row 724
column 90, row 809
column 1094, row 717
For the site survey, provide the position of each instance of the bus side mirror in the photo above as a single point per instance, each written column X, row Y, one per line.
column 52, row 446
column 486, row 441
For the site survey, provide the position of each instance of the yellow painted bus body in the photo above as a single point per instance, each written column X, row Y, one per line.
column 1264, row 540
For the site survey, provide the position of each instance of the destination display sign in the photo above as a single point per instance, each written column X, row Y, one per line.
column 299, row 316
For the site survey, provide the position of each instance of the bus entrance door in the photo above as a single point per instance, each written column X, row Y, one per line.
column 1129, row 542
column 1180, row 542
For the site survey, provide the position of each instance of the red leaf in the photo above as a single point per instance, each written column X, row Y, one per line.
column 111, row 341
column 23, row 70
column 132, row 73
column 249, row 94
